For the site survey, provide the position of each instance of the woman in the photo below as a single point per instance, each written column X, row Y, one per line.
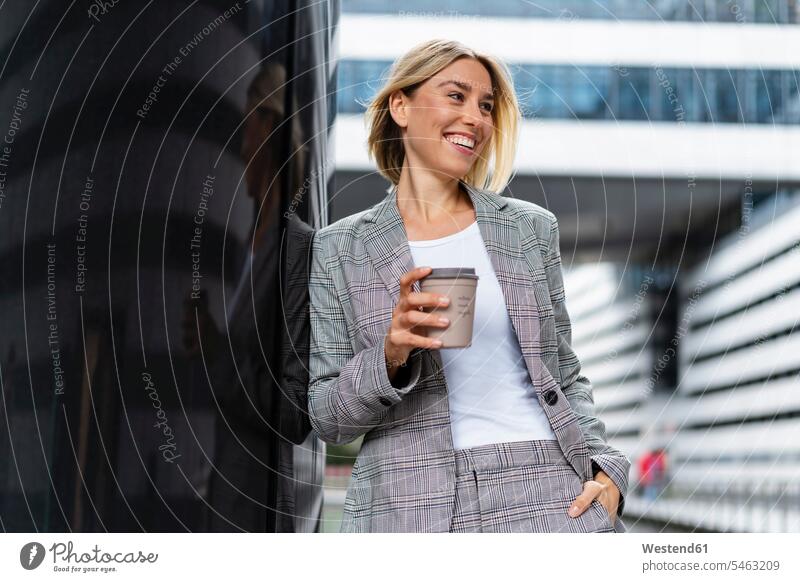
column 500, row 436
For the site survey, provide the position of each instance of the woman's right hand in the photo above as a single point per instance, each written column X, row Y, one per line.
column 407, row 320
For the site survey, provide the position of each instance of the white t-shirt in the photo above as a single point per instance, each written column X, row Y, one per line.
column 491, row 396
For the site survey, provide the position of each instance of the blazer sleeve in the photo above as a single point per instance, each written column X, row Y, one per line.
column 576, row 387
column 349, row 394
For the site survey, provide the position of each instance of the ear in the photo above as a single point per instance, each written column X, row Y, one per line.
column 398, row 101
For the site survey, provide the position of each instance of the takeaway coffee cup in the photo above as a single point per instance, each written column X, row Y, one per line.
column 459, row 284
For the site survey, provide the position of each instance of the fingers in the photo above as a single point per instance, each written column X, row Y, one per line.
column 591, row 490
column 409, row 300
column 407, row 315
column 408, row 279
column 412, row 318
column 411, row 340
column 422, row 299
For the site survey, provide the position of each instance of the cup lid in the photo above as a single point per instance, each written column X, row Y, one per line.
column 452, row 272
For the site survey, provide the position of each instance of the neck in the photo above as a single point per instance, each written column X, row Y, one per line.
column 428, row 198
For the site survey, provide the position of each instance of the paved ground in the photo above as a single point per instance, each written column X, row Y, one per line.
column 332, row 518
column 336, row 480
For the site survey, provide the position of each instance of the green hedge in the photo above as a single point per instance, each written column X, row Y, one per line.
column 343, row 454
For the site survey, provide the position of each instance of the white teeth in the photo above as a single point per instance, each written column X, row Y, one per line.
column 461, row 140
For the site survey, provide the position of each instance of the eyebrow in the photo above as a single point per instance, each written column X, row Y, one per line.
column 465, row 87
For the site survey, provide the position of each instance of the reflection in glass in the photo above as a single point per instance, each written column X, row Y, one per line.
column 157, row 204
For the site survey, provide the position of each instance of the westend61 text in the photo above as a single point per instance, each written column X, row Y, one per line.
column 672, row 549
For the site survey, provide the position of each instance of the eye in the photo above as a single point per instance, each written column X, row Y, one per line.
column 489, row 105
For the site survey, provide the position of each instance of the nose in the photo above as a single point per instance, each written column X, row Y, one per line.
column 473, row 114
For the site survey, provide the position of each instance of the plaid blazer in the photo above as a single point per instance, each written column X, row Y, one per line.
column 403, row 479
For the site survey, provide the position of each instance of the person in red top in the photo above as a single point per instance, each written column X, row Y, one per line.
column 652, row 471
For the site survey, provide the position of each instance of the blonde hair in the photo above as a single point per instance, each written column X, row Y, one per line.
column 385, row 143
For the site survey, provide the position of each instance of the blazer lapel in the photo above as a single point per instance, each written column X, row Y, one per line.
column 522, row 279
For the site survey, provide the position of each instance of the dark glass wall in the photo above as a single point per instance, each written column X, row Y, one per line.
column 162, row 169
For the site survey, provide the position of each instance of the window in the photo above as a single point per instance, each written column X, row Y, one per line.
column 622, row 93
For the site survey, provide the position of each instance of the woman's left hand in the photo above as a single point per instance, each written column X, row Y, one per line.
column 602, row 488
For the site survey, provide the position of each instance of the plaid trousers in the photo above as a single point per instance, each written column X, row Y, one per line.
column 522, row 486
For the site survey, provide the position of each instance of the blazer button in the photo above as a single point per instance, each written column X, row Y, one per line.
column 385, row 401
column 551, row 397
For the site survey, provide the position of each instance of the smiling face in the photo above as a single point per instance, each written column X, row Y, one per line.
column 447, row 122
